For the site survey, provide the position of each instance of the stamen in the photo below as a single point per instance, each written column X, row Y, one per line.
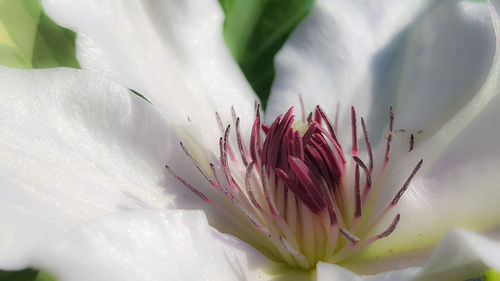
column 365, row 169
column 353, row 239
column 290, row 188
column 389, row 138
column 368, row 145
column 412, row 140
column 398, row 195
column 331, row 129
column 219, row 122
column 407, row 183
column 354, row 133
column 190, row 187
column 249, row 187
column 357, row 193
column 197, row 165
column 390, row 229
column 241, row 145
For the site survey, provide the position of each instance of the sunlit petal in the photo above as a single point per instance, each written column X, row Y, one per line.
column 172, row 52
column 150, row 245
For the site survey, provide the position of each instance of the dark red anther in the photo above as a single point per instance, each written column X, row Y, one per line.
column 269, row 137
column 331, row 129
column 306, row 180
column 241, row 144
column 255, row 142
column 389, row 137
column 365, row 169
column 299, row 191
column 357, row 193
column 412, row 140
column 265, row 128
column 354, row 132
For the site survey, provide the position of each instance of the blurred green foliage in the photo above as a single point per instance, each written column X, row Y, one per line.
column 492, row 275
column 30, row 39
column 26, row 275
column 255, row 30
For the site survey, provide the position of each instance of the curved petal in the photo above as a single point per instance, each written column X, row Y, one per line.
column 328, row 57
column 72, row 147
column 334, row 272
column 170, row 245
column 460, row 255
column 172, row 52
column 459, row 189
column 427, row 61
column 458, row 182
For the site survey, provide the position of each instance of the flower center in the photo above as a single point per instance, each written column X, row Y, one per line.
column 302, row 198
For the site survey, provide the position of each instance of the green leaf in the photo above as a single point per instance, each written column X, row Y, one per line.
column 29, row 39
column 26, row 275
column 22, row 275
column 255, row 30
column 54, row 45
column 44, row 276
column 18, row 27
column 492, row 275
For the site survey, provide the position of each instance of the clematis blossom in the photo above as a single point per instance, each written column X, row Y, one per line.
column 85, row 191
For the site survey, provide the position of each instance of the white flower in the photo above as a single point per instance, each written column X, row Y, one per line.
column 83, row 184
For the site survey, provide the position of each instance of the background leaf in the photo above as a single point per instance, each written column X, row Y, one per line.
column 255, row 30
column 30, row 39
column 26, row 275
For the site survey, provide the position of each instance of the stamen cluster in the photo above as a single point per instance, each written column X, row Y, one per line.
column 291, row 185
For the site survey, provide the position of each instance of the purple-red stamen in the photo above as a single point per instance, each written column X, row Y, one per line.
column 295, row 188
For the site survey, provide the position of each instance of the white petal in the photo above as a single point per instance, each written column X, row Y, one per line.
column 328, row 59
column 327, row 271
column 334, row 272
column 172, row 52
column 459, row 189
column 72, row 147
column 458, row 182
column 448, row 57
column 461, row 254
column 170, row 245
column 427, row 61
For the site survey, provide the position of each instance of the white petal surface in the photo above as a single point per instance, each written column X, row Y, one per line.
column 330, row 272
column 425, row 59
column 328, row 57
column 151, row 246
column 460, row 255
column 72, row 147
column 172, row 52
column 460, row 189
column 458, row 184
